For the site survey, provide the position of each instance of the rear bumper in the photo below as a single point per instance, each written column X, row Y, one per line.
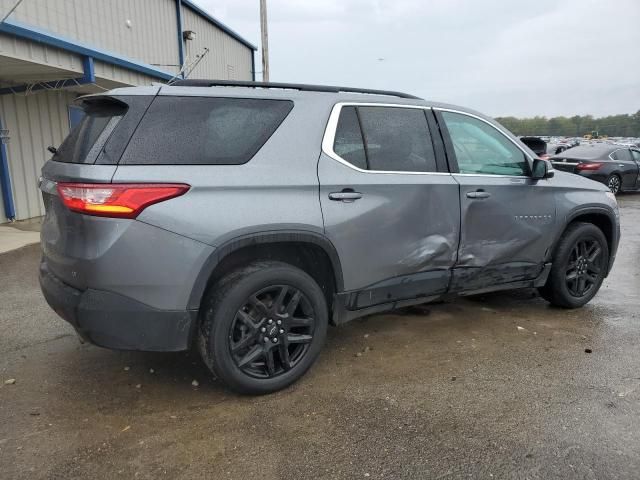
column 115, row 321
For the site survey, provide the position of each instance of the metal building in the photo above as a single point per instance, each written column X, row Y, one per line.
column 52, row 51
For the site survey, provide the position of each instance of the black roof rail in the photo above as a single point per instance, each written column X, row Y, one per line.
column 291, row 86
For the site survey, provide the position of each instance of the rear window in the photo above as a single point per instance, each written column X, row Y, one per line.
column 86, row 139
column 204, row 130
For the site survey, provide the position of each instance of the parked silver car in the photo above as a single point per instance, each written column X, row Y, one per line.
column 244, row 218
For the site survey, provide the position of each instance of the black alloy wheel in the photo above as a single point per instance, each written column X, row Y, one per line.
column 263, row 326
column 578, row 267
column 584, row 267
column 272, row 331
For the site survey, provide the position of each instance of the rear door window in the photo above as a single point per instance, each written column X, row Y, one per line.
column 623, row 155
column 204, row 130
column 385, row 139
column 397, row 139
column 86, row 139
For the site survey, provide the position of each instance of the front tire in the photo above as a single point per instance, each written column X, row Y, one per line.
column 580, row 263
column 263, row 327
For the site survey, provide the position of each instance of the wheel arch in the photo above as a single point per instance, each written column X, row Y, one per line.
column 602, row 218
column 312, row 252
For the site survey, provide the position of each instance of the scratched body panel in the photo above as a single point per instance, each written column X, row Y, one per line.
column 506, row 236
column 403, row 223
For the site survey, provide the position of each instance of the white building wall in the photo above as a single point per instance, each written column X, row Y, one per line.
column 68, row 64
column 227, row 59
column 104, row 24
column 40, row 118
column 34, row 122
column 121, row 76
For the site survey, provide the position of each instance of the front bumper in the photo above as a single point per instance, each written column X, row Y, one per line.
column 115, row 321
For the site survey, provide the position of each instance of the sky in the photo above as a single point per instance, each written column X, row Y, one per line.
column 502, row 57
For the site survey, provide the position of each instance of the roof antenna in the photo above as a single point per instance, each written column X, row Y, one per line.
column 188, row 68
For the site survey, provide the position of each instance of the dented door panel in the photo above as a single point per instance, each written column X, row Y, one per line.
column 403, row 223
column 506, row 235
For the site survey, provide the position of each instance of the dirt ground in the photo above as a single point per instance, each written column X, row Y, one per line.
column 496, row 386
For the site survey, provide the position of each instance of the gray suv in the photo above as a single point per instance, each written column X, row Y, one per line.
column 243, row 218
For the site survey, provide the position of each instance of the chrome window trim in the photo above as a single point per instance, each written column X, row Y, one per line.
column 330, row 135
column 617, row 150
column 501, row 131
column 488, row 175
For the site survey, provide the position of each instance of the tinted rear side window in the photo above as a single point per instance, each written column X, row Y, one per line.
column 204, row 130
column 622, row 155
column 385, row 138
column 397, row 139
column 87, row 138
column 348, row 142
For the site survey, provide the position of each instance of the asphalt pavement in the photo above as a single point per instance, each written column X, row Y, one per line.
column 495, row 386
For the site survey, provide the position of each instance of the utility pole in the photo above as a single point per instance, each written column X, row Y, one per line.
column 265, row 40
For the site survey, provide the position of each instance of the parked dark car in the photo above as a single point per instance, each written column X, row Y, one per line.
column 537, row 145
column 557, row 148
column 615, row 166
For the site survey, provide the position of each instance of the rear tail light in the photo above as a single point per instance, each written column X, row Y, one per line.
column 588, row 166
column 121, row 200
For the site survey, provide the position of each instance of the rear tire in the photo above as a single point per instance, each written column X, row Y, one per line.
column 263, row 326
column 614, row 183
column 580, row 263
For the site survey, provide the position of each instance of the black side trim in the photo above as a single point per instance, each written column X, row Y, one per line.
column 299, row 236
column 343, row 315
column 539, row 281
column 416, row 285
column 475, row 278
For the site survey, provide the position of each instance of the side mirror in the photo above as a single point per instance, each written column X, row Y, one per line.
column 541, row 169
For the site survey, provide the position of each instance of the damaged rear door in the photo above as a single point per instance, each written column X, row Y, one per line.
column 507, row 218
column 389, row 206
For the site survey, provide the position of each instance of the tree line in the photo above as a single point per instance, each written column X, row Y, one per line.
column 613, row 126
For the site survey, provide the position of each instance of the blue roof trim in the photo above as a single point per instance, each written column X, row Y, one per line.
column 23, row 30
column 218, row 23
column 5, row 182
column 88, row 78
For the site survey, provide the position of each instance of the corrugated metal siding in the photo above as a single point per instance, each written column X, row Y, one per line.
column 41, row 119
column 121, row 75
column 152, row 37
column 227, row 59
column 34, row 121
column 38, row 53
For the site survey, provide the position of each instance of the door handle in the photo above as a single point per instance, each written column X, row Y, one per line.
column 621, row 164
column 478, row 194
column 346, row 195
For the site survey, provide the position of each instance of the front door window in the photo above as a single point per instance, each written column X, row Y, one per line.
column 481, row 149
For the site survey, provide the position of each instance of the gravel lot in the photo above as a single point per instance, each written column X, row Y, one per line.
column 497, row 386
